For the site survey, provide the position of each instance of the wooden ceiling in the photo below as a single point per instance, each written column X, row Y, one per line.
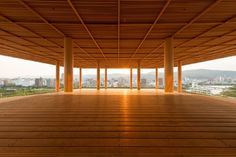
column 118, row 33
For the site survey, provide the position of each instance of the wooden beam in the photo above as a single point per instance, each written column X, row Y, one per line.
column 31, row 50
column 30, row 31
column 197, row 53
column 41, row 17
column 118, row 32
column 207, row 31
column 152, row 26
column 44, row 20
column 25, row 56
column 11, row 48
column 221, row 43
column 16, row 36
column 115, row 24
column 86, row 28
column 194, row 19
column 109, row 39
column 84, row 52
column 216, row 2
column 151, row 52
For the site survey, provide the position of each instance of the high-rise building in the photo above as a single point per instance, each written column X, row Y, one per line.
column 39, row 82
column 143, row 82
column 160, row 82
column 50, row 82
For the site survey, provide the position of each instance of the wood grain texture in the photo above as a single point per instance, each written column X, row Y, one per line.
column 118, row 32
column 116, row 124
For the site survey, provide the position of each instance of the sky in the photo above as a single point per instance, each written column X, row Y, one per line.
column 13, row 67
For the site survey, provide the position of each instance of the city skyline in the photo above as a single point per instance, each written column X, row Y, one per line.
column 22, row 68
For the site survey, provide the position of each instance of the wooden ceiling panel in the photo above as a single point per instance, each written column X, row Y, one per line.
column 129, row 43
column 53, row 11
column 220, row 13
column 85, row 43
column 140, row 11
column 133, row 31
column 184, row 10
column 43, row 43
column 151, row 43
column 42, row 29
column 94, row 11
column 106, row 43
column 15, row 11
column 220, row 40
column 193, row 31
column 196, row 42
column 233, row 42
column 201, row 29
column 17, row 40
column 74, row 31
column 164, row 31
column 103, row 31
column 17, row 31
column 221, row 31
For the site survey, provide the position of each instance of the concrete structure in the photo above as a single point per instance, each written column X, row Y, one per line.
column 68, row 65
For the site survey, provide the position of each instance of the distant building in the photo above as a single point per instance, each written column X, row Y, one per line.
column 90, row 82
column 160, row 82
column 194, row 84
column 62, row 77
column 143, row 82
column 8, row 82
column 50, row 82
column 1, row 83
column 39, row 82
column 25, row 82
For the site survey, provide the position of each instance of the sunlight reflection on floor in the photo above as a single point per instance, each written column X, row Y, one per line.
column 117, row 92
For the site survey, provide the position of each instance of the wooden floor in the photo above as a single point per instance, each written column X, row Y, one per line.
column 117, row 125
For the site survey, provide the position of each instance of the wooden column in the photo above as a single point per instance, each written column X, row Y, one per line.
column 157, row 77
column 98, row 76
column 168, row 65
column 80, row 78
column 105, row 80
column 139, row 76
column 179, row 76
column 68, row 65
column 57, row 86
column 131, row 78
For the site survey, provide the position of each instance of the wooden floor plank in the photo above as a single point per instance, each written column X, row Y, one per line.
column 117, row 125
